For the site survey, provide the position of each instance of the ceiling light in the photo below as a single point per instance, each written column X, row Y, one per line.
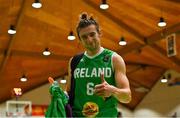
column 122, row 41
column 36, row 4
column 12, row 30
column 164, row 79
column 71, row 36
column 62, row 81
column 162, row 22
column 104, row 5
column 23, row 78
column 46, row 52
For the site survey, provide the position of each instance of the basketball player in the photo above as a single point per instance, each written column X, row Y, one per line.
column 100, row 80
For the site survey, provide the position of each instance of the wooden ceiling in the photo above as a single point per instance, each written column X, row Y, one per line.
column 136, row 20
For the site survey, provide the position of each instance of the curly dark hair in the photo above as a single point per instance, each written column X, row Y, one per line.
column 85, row 21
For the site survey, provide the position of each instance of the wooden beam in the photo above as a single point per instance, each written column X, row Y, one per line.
column 129, row 48
column 142, row 40
column 175, row 1
column 42, row 16
column 39, row 55
column 141, row 64
column 150, row 41
column 116, row 20
column 173, row 58
column 2, row 51
column 161, row 34
column 12, row 38
column 136, row 84
column 36, row 55
column 133, row 82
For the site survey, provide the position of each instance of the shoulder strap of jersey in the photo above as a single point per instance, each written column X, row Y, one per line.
column 74, row 62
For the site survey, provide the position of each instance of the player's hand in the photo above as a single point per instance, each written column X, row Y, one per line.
column 103, row 89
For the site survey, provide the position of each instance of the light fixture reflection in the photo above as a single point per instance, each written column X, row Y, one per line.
column 122, row 41
column 23, row 78
column 104, row 5
column 71, row 36
column 46, row 52
column 62, row 81
column 164, row 79
column 162, row 22
column 12, row 30
column 37, row 4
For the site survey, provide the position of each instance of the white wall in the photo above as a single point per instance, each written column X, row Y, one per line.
column 38, row 96
column 2, row 110
column 161, row 101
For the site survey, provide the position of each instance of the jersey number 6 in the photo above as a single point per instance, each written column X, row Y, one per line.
column 90, row 88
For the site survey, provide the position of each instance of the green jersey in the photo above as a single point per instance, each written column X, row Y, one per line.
column 87, row 74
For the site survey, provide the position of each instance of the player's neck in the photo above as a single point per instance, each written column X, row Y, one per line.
column 95, row 52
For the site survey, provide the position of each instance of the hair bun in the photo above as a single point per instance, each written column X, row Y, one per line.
column 84, row 16
column 91, row 18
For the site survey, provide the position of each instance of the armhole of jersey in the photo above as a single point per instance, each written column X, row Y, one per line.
column 68, row 88
column 112, row 61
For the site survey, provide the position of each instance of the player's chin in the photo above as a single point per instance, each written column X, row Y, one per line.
column 91, row 46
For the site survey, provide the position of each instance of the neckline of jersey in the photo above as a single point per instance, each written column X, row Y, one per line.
column 91, row 57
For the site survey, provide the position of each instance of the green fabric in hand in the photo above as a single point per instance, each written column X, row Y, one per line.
column 58, row 102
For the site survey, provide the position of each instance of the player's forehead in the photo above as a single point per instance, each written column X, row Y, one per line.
column 87, row 30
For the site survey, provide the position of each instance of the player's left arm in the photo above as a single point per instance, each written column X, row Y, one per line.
column 122, row 90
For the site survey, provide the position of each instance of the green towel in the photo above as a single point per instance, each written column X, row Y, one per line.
column 58, row 101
